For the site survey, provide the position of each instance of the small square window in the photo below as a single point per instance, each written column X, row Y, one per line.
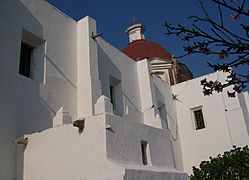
column 199, row 120
column 26, row 60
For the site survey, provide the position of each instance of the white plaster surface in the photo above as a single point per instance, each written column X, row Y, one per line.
column 29, row 105
column 124, row 142
column 89, row 87
column 103, row 105
column 135, row 32
column 97, row 153
column 71, row 79
column 64, row 153
column 113, row 63
column 147, row 94
column 224, row 120
column 244, row 104
column 72, row 72
column 163, row 92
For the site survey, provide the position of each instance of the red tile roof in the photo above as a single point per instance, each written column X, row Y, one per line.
column 141, row 49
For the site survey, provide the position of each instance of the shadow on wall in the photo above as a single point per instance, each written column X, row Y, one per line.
column 126, row 104
column 45, row 100
column 60, row 72
column 133, row 105
column 26, row 103
column 111, row 81
column 56, row 93
column 161, row 108
column 242, row 100
column 20, row 96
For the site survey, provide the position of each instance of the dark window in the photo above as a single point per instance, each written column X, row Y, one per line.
column 144, row 153
column 25, row 60
column 171, row 77
column 112, row 96
column 199, row 120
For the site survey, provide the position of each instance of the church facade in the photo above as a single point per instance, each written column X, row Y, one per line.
column 75, row 107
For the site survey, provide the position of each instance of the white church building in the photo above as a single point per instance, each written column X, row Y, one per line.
column 73, row 107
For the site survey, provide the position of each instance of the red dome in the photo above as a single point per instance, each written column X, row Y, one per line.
column 141, row 49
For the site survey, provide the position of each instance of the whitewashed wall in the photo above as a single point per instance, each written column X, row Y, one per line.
column 138, row 93
column 124, row 143
column 98, row 152
column 244, row 104
column 71, row 71
column 89, row 86
column 169, row 122
column 29, row 105
column 223, row 116
column 64, row 153
column 114, row 63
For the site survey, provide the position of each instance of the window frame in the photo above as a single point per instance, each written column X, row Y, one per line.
column 199, row 124
column 26, row 60
column 37, row 68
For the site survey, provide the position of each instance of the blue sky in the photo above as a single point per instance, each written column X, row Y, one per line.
column 114, row 16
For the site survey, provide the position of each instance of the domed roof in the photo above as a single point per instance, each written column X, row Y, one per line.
column 141, row 49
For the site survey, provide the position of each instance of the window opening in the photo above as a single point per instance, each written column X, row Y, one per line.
column 199, row 120
column 144, row 152
column 116, row 95
column 26, row 60
column 112, row 96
